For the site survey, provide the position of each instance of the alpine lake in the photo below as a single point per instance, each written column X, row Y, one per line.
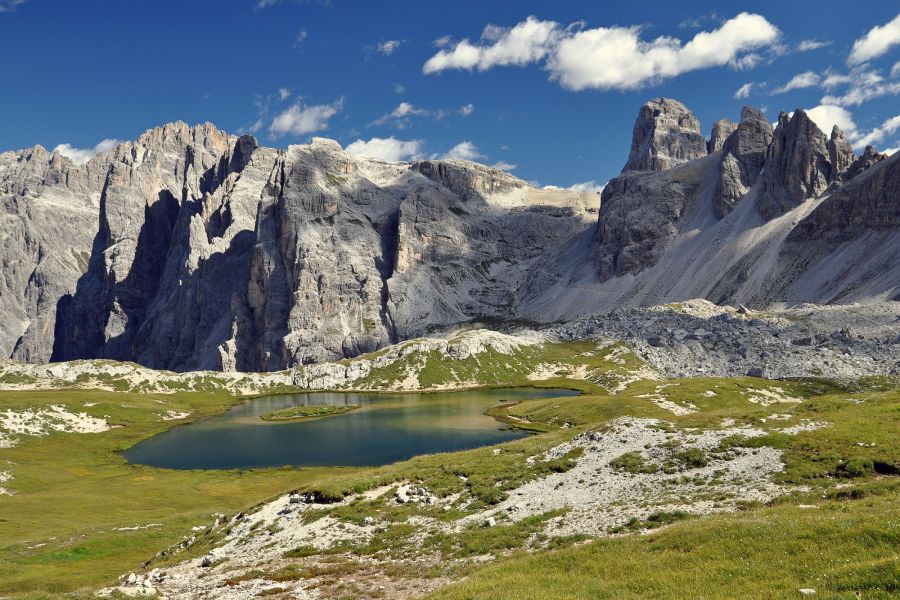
column 383, row 429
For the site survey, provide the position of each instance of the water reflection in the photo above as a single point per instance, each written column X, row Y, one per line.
column 386, row 428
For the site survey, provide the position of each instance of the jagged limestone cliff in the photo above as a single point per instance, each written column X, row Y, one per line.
column 193, row 249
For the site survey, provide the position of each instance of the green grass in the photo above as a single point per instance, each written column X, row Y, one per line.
column 842, row 550
column 61, row 531
column 633, row 462
column 301, row 413
column 606, row 366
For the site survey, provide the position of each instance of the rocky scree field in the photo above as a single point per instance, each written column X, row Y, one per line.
column 642, row 463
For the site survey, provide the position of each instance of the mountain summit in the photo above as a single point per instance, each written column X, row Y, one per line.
column 193, row 249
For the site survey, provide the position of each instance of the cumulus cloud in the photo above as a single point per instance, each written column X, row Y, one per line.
column 877, row 135
column 503, row 165
column 463, row 151
column 387, row 47
column 301, row 37
column 79, row 156
column 584, row 186
column 800, row 81
column 283, row 93
column 809, row 45
column 744, row 91
column 861, row 93
column 298, row 119
column 895, row 70
column 863, row 84
column 529, row 41
column 467, row 110
column 617, row 58
column 876, row 42
column 610, row 57
column 390, row 149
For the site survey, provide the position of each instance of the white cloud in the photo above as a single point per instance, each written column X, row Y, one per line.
column 257, row 126
column 826, row 116
column 387, row 47
column 617, row 58
column 401, row 116
column 807, row 79
column 299, row 119
column 390, row 149
column 744, row 91
column 79, row 156
column 895, row 70
column 399, row 88
column 584, row 186
column 301, row 37
column 610, row 57
column 698, row 22
column 283, row 93
column 529, row 41
column 876, row 42
column 502, row 165
column 890, row 151
column 862, row 93
column 877, row 135
column 808, row 45
column 464, row 151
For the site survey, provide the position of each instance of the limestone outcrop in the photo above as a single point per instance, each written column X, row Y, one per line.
column 191, row 249
column 666, row 134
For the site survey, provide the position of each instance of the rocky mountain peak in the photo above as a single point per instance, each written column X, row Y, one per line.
column 467, row 179
column 743, row 156
column 798, row 165
column 666, row 134
column 720, row 131
column 839, row 151
column 868, row 159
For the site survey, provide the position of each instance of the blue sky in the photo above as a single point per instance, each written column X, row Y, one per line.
column 550, row 87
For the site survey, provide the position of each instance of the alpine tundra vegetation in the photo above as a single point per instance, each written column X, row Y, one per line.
column 272, row 363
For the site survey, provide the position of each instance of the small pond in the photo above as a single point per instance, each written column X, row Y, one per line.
column 384, row 429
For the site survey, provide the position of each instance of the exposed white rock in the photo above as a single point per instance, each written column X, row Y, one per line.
column 42, row 421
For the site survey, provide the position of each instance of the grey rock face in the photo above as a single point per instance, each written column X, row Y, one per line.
column 48, row 217
column 665, row 134
column 869, row 202
column 721, row 129
column 839, row 152
column 743, row 156
column 195, row 249
column 868, row 159
column 192, row 249
column 152, row 185
column 694, row 231
column 639, row 212
column 798, row 165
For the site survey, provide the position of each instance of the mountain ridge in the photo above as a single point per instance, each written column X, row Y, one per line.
column 191, row 248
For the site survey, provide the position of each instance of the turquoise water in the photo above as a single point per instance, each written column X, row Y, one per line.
column 386, row 428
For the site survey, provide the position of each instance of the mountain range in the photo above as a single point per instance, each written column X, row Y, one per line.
column 190, row 248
